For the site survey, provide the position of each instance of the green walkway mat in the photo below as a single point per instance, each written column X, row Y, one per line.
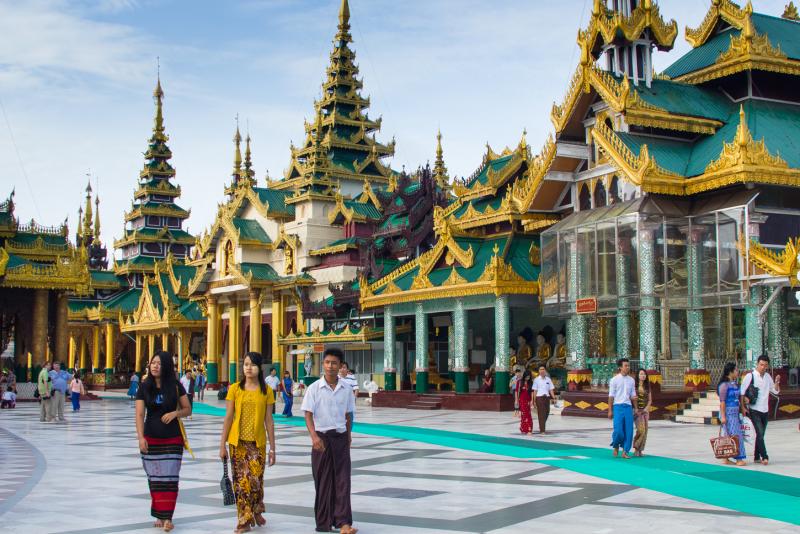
column 757, row 493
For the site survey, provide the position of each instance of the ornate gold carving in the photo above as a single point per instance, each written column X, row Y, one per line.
column 790, row 12
column 454, row 279
column 645, row 15
column 744, row 151
column 641, row 170
column 560, row 114
column 724, row 9
column 783, row 263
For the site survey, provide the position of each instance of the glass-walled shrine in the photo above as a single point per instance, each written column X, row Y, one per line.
column 666, row 273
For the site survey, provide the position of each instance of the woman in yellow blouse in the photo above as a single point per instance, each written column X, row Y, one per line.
column 247, row 425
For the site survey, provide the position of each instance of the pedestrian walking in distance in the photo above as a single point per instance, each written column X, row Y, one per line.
column 328, row 405
column 731, row 408
column 644, row 400
column 621, row 400
column 247, row 427
column 545, row 392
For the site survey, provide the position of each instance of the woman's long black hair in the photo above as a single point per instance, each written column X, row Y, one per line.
column 527, row 374
column 169, row 383
column 726, row 371
column 257, row 360
column 646, row 383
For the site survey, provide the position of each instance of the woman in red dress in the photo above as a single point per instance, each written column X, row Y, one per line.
column 525, row 403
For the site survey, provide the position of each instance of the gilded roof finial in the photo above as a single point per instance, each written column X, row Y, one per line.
column 248, row 161
column 439, row 168
column 97, row 218
column 237, row 154
column 87, row 213
column 742, row 131
column 344, row 14
column 790, row 13
column 80, row 223
column 158, row 95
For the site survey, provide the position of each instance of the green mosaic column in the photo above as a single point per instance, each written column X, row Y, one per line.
column 421, row 337
column 754, row 335
column 776, row 328
column 623, row 286
column 502, row 327
column 648, row 316
column 694, row 317
column 461, row 361
column 577, row 325
column 212, row 372
column 389, row 346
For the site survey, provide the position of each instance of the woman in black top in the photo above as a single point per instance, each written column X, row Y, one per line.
column 164, row 400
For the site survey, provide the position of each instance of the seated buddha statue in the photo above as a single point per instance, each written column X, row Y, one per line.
column 543, row 352
column 559, row 358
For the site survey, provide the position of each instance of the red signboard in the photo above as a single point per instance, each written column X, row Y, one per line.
column 586, row 305
column 319, row 347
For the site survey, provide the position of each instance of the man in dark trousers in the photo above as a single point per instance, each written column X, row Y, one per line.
column 328, row 404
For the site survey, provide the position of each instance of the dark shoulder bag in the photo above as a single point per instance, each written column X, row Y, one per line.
column 751, row 393
column 228, row 498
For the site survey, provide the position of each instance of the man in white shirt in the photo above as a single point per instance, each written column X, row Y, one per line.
column 273, row 382
column 328, row 405
column 759, row 410
column 544, row 390
column 621, row 399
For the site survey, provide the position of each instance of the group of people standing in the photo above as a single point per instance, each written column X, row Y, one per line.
column 248, row 438
column 52, row 386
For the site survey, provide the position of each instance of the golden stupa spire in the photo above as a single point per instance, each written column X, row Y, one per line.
column 790, row 12
column 87, row 213
column 97, row 218
column 343, row 35
column 249, row 173
column 237, row 154
column 158, row 95
column 80, row 224
column 439, row 168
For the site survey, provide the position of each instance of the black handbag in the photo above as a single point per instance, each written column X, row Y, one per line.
column 751, row 393
column 228, row 497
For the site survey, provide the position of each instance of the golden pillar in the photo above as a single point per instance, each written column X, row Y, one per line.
column 234, row 340
column 62, row 327
column 72, row 350
column 165, row 342
column 139, row 363
column 212, row 342
column 84, row 364
column 39, row 341
column 109, row 349
column 255, row 321
column 151, row 347
column 277, row 329
column 301, row 327
column 96, row 348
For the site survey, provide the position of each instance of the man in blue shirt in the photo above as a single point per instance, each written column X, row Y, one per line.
column 60, row 379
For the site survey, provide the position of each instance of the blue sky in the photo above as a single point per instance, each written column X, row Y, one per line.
column 76, row 79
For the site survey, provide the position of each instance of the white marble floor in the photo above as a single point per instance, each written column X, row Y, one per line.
column 85, row 476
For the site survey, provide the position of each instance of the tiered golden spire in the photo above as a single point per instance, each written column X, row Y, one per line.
column 344, row 22
column 97, row 218
column 158, row 126
column 237, row 155
column 439, row 168
column 87, row 214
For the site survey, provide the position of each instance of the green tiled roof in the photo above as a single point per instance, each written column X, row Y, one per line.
column 781, row 32
column 483, row 248
column 125, row 302
column 778, row 124
column 140, row 260
column 16, row 261
column 495, row 165
column 276, row 199
column 171, row 205
column 80, row 305
column 250, row 229
column 260, row 271
column 685, row 99
column 29, row 237
column 190, row 310
column 156, row 182
column 366, row 210
column 184, row 273
column 702, row 56
column 107, row 277
column 395, row 220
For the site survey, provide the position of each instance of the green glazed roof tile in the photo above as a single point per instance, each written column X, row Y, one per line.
column 251, row 230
